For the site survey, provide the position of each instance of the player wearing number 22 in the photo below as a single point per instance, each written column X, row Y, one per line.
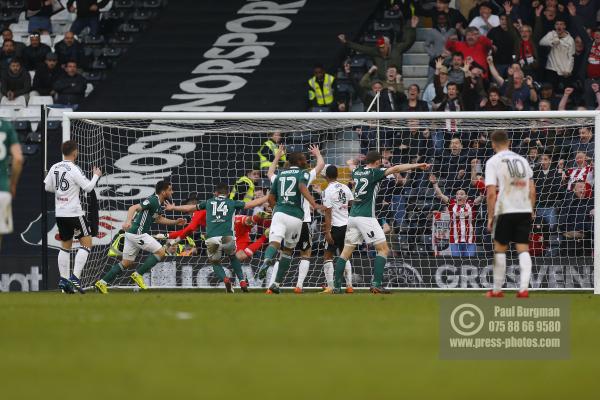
column 510, row 210
column 362, row 222
column 220, row 241
column 137, row 237
column 66, row 180
column 288, row 193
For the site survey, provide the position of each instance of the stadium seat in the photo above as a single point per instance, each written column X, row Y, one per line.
column 63, row 15
column 99, row 64
column 369, row 39
column 19, row 102
column 46, row 39
column 30, row 149
column 112, row 52
column 152, row 3
column 60, row 28
column 33, row 137
column 320, row 109
column 92, row 40
column 15, row 4
column 93, row 76
column 40, row 100
column 8, row 17
column 7, row 114
column 89, row 88
column 120, row 4
column 391, row 15
column 57, row 39
column 19, row 27
column 121, row 39
column 29, row 114
column 22, row 126
column 130, row 27
column 142, row 15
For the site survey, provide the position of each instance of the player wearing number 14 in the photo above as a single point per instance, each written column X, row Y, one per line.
column 220, row 241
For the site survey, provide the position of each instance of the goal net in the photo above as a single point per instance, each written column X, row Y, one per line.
column 435, row 221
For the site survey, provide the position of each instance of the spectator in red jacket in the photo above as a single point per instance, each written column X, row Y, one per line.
column 476, row 47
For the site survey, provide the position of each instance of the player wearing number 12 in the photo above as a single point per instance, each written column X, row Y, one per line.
column 362, row 222
column 220, row 213
column 288, row 193
column 9, row 147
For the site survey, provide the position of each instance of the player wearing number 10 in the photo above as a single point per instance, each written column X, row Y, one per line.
column 220, row 213
column 9, row 146
column 362, row 222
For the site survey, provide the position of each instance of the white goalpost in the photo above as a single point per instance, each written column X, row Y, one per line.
column 433, row 245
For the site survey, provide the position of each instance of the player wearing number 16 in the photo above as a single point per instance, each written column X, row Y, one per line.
column 362, row 222
column 65, row 179
column 220, row 213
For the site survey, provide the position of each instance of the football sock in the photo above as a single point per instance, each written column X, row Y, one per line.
column 150, row 262
column 273, row 273
column 284, row 264
column 236, row 265
column 340, row 265
column 80, row 259
column 302, row 272
column 113, row 272
column 328, row 268
column 525, row 264
column 348, row 273
column 219, row 271
column 269, row 254
column 378, row 270
column 499, row 270
column 64, row 259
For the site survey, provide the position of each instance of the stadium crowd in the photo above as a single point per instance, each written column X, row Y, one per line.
column 517, row 55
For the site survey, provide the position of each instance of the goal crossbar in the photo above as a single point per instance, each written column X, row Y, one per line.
column 68, row 117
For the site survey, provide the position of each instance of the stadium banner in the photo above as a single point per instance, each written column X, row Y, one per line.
column 24, row 274
column 426, row 273
column 236, row 55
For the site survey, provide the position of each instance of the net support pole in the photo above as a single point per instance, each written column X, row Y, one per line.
column 44, row 197
column 596, row 204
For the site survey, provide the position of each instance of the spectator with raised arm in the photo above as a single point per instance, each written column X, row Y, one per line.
column 475, row 47
column 456, row 72
column 560, row 59
column 502, row 45
column 494, row 101
column 436, row 38
column 412, row 102
column 463, row 211
column 384, row 54
column 429, row 92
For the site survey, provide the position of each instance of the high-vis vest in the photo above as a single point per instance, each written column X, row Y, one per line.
column 265, row 160
column 324, row 95
column 249, row 195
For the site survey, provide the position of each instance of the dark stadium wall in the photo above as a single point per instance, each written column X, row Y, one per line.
column 230, row 56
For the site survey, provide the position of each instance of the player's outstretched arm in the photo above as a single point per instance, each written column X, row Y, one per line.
column 278, row 154
column 314, row 150
column 162, row 220
column 405, row 167
column 438, row 192
column 256, row 202
column 184, row 208
column 311, row 200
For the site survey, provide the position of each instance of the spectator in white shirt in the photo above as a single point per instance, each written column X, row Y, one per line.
column 560, row 59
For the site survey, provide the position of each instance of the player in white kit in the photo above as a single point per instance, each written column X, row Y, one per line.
column 337, row 198
column 510, row 196
column 65, row 179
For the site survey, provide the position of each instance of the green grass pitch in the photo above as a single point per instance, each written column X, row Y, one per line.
column 209, row 345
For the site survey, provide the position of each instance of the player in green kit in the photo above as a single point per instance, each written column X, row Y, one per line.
column 137, row 237
column 220, row 240
column 9, row 147
column 362, row 222
column 288, row 193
